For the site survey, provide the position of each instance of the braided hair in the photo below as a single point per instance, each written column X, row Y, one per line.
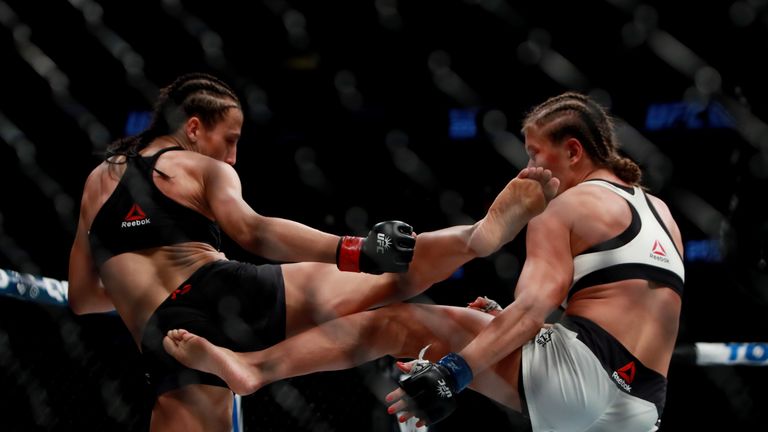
column 195, row 94
column 574, row 115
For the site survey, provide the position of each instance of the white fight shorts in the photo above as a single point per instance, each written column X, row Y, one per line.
column 567, row 388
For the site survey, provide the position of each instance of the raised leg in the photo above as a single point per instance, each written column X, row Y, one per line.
column 400, row 330
column 316, row 293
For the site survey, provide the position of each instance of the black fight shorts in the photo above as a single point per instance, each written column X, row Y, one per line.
column 236, row 305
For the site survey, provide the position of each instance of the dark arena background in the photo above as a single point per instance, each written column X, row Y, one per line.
column 360, row 111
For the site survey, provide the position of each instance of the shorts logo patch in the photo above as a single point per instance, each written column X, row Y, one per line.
column 544, row 338
column 624, row 376
column 183, row 290
column 627, row 372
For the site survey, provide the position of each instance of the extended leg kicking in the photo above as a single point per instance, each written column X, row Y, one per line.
column 522, row 199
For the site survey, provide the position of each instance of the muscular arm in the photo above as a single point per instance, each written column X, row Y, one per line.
column 86, row 292
column 269, row 237
column 543, row 284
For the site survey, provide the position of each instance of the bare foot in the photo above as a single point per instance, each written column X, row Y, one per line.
column 524, row 198
column 549, row 184
column 196, row 352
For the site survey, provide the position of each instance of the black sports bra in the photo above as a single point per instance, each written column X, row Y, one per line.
column 139, row 216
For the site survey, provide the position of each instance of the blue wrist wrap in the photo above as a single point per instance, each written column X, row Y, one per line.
column 459, row 368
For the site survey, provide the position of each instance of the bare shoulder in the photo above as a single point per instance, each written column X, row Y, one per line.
column 579, row 201
column 196, row 163
column 659, row 205
column 99, row 170
column 205, row 178
column 96, row 173
column 561, row 211
column 103, row 176
column 593, row 213
column 184, row 159
column 666, row 215
column 99, row 185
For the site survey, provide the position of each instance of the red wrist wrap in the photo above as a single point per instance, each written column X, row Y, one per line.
column 348, row 253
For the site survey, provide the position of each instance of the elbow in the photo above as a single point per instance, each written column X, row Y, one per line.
column 75, row 299
column 77, row 306
column 81, row 303
column 91, row 306
column 534, row 315
column 532, row 322
column 78, row 311
column 253, row 235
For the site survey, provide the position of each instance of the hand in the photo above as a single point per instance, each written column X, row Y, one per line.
column 484, row 304
column 429, row 390
column 387, row 249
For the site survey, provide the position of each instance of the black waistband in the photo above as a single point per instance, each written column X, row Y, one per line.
column 625, row 370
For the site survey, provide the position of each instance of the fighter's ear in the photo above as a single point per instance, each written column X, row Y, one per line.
column 573, row 149
column 192, row 128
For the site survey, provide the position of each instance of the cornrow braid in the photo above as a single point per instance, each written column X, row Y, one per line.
column 575, row 115
column 195, row 94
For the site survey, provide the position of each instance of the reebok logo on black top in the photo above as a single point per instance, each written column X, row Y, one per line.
column 135, row 217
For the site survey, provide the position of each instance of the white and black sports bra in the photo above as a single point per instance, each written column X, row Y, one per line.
column 645, row 250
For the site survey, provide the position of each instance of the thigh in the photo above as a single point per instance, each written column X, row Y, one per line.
column 566, row 387
column 501, row 382
column 449, row 329
column 193, row 408
column 235, row 305
column 163, row 372
column 316, row 293
column 628, row 413
column 443, row 328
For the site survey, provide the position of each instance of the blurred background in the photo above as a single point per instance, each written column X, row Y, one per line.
column 361, row 111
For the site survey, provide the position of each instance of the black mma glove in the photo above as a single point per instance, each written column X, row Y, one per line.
column 387, row 249
column 432, row 387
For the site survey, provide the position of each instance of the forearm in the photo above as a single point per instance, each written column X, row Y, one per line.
column 97, row 304
column 510, row 330
column 89, row 300
column 284, row 240
column 338, row 344
column 86, row 292
column 432, row 387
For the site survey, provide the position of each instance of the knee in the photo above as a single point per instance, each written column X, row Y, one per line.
column 400, row 324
